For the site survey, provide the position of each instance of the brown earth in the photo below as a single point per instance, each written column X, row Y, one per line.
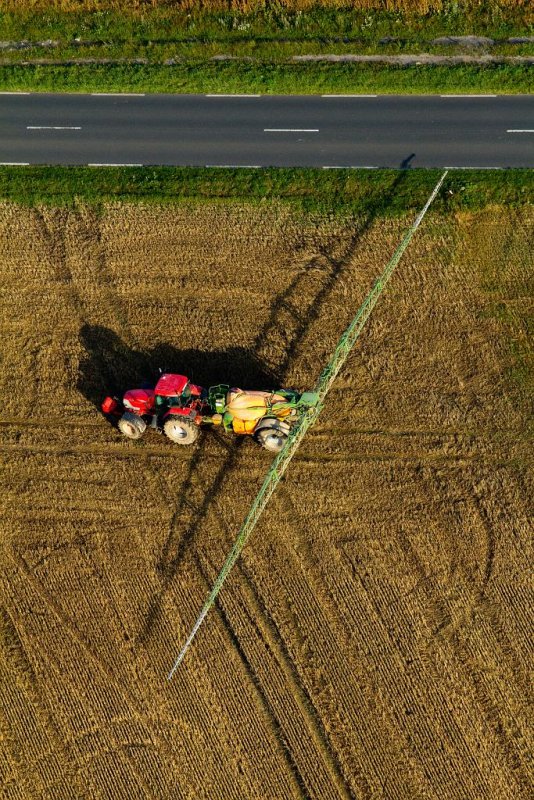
column 373, row 641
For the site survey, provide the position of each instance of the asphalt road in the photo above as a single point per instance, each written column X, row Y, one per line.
column 258, row 131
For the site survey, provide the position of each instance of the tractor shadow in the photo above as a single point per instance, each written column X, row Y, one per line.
column 111, row 366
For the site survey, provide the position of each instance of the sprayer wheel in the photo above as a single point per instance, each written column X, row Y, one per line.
column 272, row 439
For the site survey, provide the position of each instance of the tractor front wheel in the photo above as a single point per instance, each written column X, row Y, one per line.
column 181, row 430
column 131, row 426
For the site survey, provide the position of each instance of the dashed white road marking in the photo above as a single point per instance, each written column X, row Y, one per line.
column 53, row 127
column 14, row 163
column 468, row 95
column 291, row 130
column 520, row 130
column 16, row 93
column 115, row 165
column 233, row 166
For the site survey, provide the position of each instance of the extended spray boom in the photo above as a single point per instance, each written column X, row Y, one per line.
column 308, row 418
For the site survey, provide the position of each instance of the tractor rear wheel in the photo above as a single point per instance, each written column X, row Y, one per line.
column 272, row 439
column 181, row 430
column 131, row 426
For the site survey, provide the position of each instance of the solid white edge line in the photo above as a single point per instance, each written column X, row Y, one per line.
column 232, row 95
column 291, row 130
column 115, row 165
column 349, row 95
column 53, row 127
column 520, row 130
column 470, row 168
column 351, row 166
column 117, row 94
column 14, row 163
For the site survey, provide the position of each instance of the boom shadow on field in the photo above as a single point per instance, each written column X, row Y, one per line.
column 111, row 366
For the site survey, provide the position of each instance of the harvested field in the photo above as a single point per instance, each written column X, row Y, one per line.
column 373, row 641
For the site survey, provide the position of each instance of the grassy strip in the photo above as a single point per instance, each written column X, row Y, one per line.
column 269, row 78
column 385, row 192
column 165, row 23
column 258, row 49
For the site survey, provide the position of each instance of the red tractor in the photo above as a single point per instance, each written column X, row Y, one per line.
column 178, row 408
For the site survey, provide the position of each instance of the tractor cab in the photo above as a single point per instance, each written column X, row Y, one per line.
column 175, row 391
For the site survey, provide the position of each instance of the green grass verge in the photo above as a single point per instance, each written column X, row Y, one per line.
column 270, row 78
column 270, row 36
column 382, row 192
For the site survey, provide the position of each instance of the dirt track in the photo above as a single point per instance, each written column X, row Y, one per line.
column 374, row 640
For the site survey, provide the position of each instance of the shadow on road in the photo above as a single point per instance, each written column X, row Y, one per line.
column 407, row 162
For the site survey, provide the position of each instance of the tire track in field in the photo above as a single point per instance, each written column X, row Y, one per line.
column 272, row 721
column 54, row 239
column 50, row 422
column 438, row 614
column 401, row 688
column 257, row 617
column 92, row 228
column 111, row 451
column 18, row 660
column 120, row 686
column 347, row 611
column 106, row 728
column 88, row 231
column 480, row 495
column 350, row 673
column 169, row 564
column 86, row 226
column 490, row 537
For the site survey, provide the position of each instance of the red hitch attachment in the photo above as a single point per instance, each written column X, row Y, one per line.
column 110, row 405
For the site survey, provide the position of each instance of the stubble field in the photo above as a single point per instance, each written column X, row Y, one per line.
column 373, row 641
